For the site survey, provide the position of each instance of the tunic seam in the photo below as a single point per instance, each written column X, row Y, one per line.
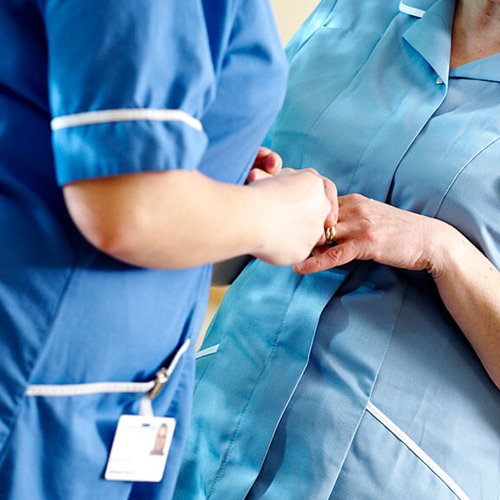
column 328, row 107
column 452, row 183
column 21, row 397
column 224, row 460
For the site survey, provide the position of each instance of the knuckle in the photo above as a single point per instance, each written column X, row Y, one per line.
column 356, row 197
column 333, row 256
column 371, row 234
column 310, row 170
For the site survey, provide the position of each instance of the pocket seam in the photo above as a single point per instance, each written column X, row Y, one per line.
column 162, row 376
column 416, row 450
column 207, row 352
column 53, row 390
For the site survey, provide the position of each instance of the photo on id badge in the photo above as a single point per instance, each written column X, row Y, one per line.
column 140, row 448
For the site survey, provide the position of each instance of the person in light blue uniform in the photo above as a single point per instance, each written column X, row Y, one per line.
column 124, row 129
column 377, row 378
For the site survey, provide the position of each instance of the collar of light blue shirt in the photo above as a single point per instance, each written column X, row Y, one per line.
column 431, row 37
column 415, row 8
column 430, row 34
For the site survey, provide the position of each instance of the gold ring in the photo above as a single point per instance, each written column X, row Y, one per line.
column 330, row 235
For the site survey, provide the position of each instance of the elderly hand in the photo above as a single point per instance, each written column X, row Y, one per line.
column 371, row 230
column 468, row 283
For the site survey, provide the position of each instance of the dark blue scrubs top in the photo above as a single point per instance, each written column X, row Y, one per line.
column 94, row 88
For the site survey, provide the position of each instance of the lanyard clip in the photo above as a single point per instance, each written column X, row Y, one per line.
column 164, row 373
column 161, row 379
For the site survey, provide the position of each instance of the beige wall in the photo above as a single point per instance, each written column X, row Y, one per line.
column 290, row 14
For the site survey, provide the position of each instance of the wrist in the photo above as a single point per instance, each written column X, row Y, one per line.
column 261, row 222
column 445, row 248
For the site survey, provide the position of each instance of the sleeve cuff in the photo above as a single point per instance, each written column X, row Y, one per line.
column 84, row 151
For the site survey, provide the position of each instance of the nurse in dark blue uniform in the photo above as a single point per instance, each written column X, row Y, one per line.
column 123, row 128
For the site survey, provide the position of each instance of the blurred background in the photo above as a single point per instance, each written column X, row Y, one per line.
column 289, row 16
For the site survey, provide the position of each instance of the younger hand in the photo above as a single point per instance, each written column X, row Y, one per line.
column 303, row 203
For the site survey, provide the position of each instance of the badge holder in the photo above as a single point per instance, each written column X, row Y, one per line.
column 142, row 442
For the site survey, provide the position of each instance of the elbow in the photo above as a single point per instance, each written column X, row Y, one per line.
column 113, row 236
column 133, row 242
column 113, row 239
column 109, row 227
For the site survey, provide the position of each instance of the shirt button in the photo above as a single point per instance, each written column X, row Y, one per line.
column 439, row 81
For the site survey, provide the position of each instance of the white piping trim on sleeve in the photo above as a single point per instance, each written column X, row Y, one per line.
column 411, row 11
column 416, row 450
column 119, row 115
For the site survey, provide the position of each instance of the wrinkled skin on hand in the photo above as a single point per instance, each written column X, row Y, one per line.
column 370, row 230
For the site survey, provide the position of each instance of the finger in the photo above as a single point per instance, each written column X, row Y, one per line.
column 288, row 171
column 273, row 163
column 331, row 194
column 260, row 158
column 326, row 258
column 332, row 223
column 256, row 174
column 268, row 160
column 263, row 152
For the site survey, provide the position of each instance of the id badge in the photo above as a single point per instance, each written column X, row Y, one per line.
column 140, row 448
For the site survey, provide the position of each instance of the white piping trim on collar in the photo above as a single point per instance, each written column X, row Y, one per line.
column 118, row 115
column 411, row 11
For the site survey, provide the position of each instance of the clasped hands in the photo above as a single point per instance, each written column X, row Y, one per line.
column 365, row 229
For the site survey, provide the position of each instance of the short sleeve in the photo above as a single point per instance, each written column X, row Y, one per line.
column 128, row 85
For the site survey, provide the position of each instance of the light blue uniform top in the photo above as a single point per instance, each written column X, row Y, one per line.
column 94, row 88
column 355, row 383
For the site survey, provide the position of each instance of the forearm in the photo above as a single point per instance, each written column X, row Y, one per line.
column 469, row 286
column 179, row 219
column 182, row 219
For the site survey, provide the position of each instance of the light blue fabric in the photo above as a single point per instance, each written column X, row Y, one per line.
column 68, row 313
column 386, row 400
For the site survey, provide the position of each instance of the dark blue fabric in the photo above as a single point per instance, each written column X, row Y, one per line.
column 68, row 313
